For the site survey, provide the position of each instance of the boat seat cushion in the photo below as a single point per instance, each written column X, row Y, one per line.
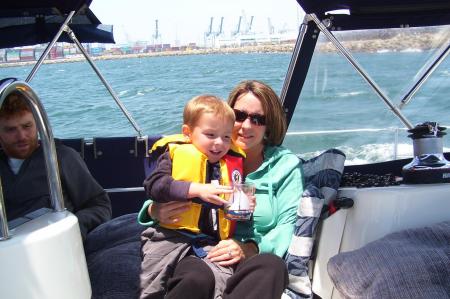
column 113, row 255
column 413, row 263
column 75, row 143
column 322, row 176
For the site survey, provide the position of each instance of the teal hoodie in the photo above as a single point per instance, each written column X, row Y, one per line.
column 279, row 186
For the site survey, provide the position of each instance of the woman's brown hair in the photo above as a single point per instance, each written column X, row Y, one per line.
column 273, row 110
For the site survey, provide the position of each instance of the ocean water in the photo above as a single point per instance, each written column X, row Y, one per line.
column 155, row 89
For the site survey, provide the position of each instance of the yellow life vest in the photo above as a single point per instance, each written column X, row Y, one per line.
column 189, row 164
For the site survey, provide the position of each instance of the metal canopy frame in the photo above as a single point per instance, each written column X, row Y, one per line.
column 66, row 28
column 304, row 49
column 425, row 74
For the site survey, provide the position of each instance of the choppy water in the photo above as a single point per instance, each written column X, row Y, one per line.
column 155, row 89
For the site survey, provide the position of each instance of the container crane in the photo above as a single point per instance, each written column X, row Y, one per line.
column 209, row 32
column 220, row 31
column 238, row 30
column 249, row 27
column 209, row 36
column 270, row 26
column 156, row 36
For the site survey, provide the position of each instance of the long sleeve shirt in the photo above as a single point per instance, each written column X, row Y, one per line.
column 28, row 190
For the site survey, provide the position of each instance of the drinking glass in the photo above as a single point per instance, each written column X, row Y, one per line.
column 239, row 203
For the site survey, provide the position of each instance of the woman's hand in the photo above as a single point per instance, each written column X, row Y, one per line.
column 229, row 252
column 167, row 213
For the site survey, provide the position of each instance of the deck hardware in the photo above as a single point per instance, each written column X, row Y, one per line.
column 327, row 22
column 129, row 189
column 429, row 165
column 145, row 140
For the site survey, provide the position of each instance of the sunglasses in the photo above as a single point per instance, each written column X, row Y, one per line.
column 255, row 119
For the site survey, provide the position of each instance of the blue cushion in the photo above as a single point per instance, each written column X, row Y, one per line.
column 322, row 178
column 113, row 255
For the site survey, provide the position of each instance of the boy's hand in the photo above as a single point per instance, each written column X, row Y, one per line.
column 209, row 192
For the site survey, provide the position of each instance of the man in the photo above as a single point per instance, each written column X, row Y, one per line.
column 24, row 176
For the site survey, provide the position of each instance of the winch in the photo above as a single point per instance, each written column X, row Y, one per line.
column 429, row 165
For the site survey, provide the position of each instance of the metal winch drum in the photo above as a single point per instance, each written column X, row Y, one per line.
column 429, row 165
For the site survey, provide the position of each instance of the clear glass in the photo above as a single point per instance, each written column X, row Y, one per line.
column 239, row 207
column 338, row 109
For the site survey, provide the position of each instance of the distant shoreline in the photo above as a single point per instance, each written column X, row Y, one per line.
column 283, row 48
column 395, row 43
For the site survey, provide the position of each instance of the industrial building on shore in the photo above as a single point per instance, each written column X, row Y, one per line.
column 243, row 36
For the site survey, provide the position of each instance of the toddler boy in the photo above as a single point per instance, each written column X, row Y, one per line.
column 197, row 166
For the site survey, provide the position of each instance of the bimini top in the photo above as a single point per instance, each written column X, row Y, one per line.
column 31, row 22
column 371, row 14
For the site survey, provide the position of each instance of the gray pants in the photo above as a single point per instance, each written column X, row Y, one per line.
column 162, row 249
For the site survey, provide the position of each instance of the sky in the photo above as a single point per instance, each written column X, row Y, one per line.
column 184, row 21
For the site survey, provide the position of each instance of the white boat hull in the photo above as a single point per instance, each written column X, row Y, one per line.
column 44, row 258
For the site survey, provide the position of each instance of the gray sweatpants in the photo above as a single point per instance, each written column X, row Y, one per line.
column 161, row 250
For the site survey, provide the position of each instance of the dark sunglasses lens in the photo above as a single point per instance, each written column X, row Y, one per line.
column 258, row 120
column 240, row 115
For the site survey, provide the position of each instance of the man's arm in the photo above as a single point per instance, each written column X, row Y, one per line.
column 84, row 196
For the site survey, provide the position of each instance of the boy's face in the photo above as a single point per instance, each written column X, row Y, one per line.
column 211, row 135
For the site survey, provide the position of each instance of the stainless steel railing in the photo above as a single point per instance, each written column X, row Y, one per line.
column 48, row 145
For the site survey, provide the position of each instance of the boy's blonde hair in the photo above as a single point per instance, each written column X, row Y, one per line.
column 206, row 103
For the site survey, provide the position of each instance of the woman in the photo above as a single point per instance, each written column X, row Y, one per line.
column 259, row 130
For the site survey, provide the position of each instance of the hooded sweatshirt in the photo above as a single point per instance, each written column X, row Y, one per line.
column 279, row 186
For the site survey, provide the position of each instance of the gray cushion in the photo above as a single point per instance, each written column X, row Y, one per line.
column 413, row 263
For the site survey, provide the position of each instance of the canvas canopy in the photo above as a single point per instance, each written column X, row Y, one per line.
column 370, row 14
column 24, row 23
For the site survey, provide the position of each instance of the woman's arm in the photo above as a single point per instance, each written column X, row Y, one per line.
column 277, row 240
column 152, row 212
